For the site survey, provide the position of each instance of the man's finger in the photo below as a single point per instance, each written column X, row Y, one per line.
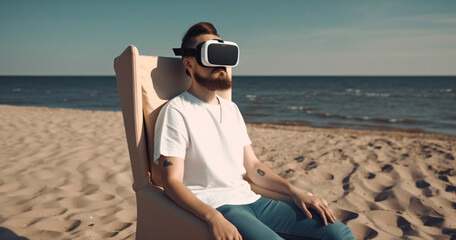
column 323, row 215
column 330, row 215
column 328, row 211
column 306, row 211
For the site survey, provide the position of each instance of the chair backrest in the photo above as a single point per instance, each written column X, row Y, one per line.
column 145, row 83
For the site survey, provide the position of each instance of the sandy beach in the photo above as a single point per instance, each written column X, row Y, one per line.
column 65, row 174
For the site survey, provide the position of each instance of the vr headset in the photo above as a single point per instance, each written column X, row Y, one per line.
column 212, row 53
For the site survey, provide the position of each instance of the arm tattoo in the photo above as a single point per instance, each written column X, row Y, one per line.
column 261, row 172
column 167, row 163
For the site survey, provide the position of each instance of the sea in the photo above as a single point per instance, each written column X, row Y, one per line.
column 416, row 104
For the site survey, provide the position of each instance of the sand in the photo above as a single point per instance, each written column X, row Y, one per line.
column 65, row 174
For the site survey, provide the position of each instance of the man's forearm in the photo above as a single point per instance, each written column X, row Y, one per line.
column 264, row 177
column 183, row 197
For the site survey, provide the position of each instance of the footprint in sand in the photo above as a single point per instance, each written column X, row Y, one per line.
column 346, row 180
column 362, row 231
column 387, row 168
column 370, row 175
column 450, row 188
column 299, row 159
column 449, row 156
column 428, row 215
column 373, row 206
column 344, row 215
column 385, row 194
column 117, row 227
column 406, row 227
column 328, row 176
column 422, row 184
column 311, row 166
column 443, row 175
column 432, row 221
column 288, row 173
column 426, row 149
column 449, row 231
column 74, row 225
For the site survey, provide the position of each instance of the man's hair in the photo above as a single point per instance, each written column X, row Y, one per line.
column 188, row 40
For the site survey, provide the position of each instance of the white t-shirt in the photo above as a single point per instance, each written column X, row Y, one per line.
column 211, row 140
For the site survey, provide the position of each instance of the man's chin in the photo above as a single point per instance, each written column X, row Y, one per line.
column 218, row 81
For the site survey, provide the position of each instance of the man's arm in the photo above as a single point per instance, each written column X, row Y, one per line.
column 172, row 170
column 264, row 177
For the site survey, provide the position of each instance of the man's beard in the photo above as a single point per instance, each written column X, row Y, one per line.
column 220, row 82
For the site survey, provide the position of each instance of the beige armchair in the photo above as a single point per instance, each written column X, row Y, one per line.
column 145, row 83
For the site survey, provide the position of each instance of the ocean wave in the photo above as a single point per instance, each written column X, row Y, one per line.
column 358, row 92
column 353, row 90
column 320, row 94
column 380, row 95
column 363, row 118
column 251, row 97
column 300, row 108
column 447, row 90
column 371, row 94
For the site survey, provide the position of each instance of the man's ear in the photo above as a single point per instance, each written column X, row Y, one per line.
column 187, row 63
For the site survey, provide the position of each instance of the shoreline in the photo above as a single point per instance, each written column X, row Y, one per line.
column 65, row 174
column 296, row 125
column 387, row 132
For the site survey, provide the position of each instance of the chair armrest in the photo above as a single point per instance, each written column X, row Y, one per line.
column 160, row 218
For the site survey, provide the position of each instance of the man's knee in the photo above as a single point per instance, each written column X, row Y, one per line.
column 236, row 212
column 247, row 224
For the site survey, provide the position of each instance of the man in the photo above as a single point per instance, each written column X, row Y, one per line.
column 203, row 150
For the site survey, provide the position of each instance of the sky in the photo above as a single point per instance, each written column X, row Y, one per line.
column 365, row 37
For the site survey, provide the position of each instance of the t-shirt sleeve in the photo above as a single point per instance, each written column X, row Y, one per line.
column 171, row 135
column 244, row 136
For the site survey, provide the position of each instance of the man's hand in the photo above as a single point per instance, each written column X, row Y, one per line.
column 306, row 200
column 172, row 170
column 222, row 229
column 266, row 178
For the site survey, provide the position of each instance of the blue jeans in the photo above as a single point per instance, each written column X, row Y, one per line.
column 270, row 219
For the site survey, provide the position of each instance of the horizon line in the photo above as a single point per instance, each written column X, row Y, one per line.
column 248, row 75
